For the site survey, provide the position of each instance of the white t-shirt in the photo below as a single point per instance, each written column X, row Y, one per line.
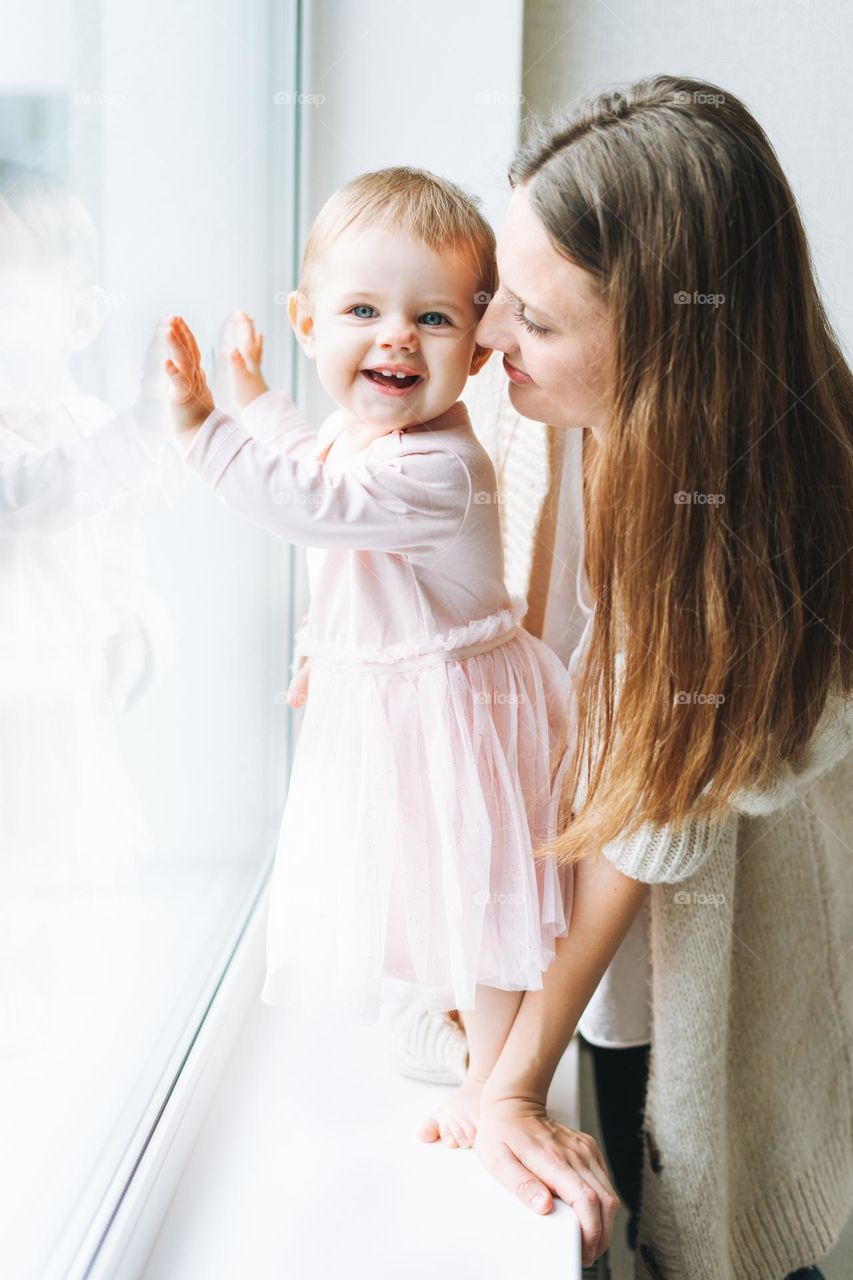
column 619, row 1012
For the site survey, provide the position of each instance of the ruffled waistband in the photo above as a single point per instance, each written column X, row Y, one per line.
column 464, row 641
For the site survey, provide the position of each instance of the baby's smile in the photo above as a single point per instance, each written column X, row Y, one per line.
column 393, row 379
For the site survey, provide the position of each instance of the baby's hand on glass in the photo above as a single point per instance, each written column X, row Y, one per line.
column 245, row 359
column 192, row 400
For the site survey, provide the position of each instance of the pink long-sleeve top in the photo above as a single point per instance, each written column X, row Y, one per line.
column 405, row 554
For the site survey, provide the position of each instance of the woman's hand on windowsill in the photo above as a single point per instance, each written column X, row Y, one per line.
column 537, row 1158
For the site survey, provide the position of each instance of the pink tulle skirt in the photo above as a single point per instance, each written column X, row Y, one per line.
column 418, row 792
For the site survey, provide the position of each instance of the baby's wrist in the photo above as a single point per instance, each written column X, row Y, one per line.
column 189, row 415
column 186, row 435
column 245, row 400
column 249, row 384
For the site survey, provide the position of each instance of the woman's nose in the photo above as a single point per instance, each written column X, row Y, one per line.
column 490, row 332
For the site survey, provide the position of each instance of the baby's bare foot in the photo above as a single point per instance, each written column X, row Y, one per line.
column 455, row 1120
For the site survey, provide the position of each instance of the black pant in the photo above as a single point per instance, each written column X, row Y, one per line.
column 620, row 1086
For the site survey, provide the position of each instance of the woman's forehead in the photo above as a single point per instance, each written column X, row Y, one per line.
column 530, row 267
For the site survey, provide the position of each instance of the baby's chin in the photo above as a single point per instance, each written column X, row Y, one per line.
column 391, row 412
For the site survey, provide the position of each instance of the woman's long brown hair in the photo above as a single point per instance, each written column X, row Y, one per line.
column 720, row 502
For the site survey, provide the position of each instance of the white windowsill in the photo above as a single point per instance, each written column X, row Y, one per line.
column 297, row 1155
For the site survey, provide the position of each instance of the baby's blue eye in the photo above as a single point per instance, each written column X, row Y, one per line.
column 362, row 306
column 433, row 318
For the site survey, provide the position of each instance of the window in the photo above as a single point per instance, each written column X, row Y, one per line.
column 144, row 650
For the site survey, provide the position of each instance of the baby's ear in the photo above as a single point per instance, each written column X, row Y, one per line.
column 479, row 358
column 300, row 313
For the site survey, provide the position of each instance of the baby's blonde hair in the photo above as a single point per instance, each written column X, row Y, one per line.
column 420, row 204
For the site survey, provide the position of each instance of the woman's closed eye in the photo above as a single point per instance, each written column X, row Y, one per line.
column 528, row 324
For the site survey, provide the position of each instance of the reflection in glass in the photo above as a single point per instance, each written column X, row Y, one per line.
column 143, row 633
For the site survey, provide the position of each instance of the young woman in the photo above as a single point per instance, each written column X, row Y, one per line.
column 657, row 296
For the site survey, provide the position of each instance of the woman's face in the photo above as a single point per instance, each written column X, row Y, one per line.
column 551, row 326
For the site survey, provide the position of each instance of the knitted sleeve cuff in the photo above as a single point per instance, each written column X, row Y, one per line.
column 666, row 854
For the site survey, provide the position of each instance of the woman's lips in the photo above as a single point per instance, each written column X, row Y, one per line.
column 387, row 388
column 515, row 375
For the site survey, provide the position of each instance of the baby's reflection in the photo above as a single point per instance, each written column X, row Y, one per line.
column 82, row 634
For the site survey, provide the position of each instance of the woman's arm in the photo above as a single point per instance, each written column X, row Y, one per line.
column 604, row 903
column 517, row 1141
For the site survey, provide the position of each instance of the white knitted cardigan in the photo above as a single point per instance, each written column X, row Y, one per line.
column 748, row 1152
column 748, row 1169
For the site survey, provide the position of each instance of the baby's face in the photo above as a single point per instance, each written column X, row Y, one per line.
column 383, row 301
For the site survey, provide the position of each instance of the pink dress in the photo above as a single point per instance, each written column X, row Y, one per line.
column 421, row 776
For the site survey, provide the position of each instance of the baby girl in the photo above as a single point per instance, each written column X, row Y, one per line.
column 422, row 775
